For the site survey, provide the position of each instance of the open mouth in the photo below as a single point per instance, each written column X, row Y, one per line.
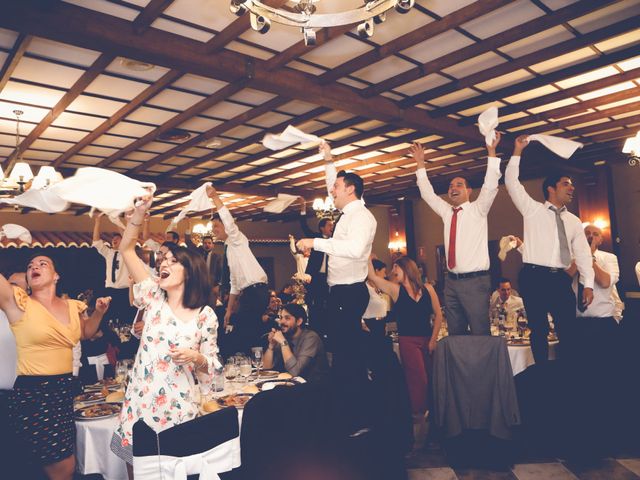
column 35, row 275
column 164, row 274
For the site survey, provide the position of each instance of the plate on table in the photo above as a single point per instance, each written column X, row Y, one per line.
column 268, row 373
column 519, row 342
column 238, row 400
column 90, row 397
column 273, row 383
column 98, row 411
column 108, row 383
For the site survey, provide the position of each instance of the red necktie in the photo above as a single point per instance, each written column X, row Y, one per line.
column 451, row 260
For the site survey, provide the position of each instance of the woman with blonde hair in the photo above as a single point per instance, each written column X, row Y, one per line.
column 414, row 304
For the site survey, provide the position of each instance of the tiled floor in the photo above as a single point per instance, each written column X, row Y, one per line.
column 429, row 466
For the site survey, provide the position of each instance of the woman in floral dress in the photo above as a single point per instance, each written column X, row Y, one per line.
column 177, row 344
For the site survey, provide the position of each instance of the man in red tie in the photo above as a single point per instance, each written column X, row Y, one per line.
column 468, row 284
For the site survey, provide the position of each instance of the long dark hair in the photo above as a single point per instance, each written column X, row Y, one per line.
column 410, row 269
column 197, row 287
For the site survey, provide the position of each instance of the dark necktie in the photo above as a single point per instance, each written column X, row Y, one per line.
column 115, row 264
column 565, row 255
column 225, row 278
column 451, row 260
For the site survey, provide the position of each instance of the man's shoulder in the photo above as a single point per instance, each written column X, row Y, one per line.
column 607, row 255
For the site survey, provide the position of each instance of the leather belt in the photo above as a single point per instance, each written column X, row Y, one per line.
column 458, row 276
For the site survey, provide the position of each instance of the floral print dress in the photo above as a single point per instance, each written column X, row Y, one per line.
column 160, row 392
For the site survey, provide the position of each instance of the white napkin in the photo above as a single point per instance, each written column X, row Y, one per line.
column 507, row 244
column 46, row 200
column 487, row 123
column 560, row 146
column 290, row 136
column 11, row 230
column 198, row 201
column 280, row 204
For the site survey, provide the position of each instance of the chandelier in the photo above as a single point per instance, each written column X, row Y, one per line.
column 632, row 149
column 325, row 209
column 21, row 177
column 302, row 14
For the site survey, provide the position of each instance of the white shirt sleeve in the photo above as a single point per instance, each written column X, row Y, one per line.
column 236, row 237
column 102, row 248
column 522, row 200
column 331, row 175
column 582, row 255
column 358, row 241
column 612, row 268
column 427, row 193
column 489, row 187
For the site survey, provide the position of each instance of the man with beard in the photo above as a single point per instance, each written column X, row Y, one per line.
column 295, row 349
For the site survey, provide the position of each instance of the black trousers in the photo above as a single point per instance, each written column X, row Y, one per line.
column 347, row 304
column 317, row 300
column 544, row 291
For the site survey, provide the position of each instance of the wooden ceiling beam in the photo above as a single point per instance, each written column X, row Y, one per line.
column 148, row 15
column 211, row 133
column 129, row 107
column 525, row 61
column 425, row 32
column 15, row 55
column 89, row 29
column 234, row 29
column 540, row 81
column 74, row 92
column 572, row 109
column 489, row 44
column 563, row 94
column 306, row 154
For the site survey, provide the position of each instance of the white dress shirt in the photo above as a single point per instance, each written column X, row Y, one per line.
column 8, row 355
column 350, row 246
column 122, row 274
column 472, row 251
column 511, row 305
column 244, row 269
column 377, row 307
column 541, row 244
column 604, row 302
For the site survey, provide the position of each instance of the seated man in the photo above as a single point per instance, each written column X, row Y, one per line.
column 296, row 350
column 505, row 298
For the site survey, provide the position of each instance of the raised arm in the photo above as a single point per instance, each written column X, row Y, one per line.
column 490, row 186
column 234, row 233
column 382, row 284
column 7, row 300
column 96, row 228
column 127, row 248
column 427, row 193
column 331, row 174
column 521, row 199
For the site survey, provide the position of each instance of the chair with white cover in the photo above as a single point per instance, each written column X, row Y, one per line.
column 208, row 445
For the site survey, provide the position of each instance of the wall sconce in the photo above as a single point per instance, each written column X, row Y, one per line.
column 397, row 245
column 601, row 223
column 632, row 149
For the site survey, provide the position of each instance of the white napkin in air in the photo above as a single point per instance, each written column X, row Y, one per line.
column 507, row 244
column 290, row 136
column 198, row 201
column 11, row 230
column 558, row 145
column 46, row 200
column 487, row 123
column 280, row 204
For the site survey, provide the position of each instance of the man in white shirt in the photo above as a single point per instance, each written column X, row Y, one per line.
column 348, row 251
column 468, row 283
column 504, row 298
column 552, row 237
column 246, row 280
column 116, row 284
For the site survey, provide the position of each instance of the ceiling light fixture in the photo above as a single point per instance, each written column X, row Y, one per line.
column 302, row 14
column 632, row 149
column 325, row 209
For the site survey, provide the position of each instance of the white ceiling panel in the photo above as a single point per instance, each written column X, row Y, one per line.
column 279, row 37
column 306, row 68
column 422, row 84
column 437, row 46
column 454, row 97
column 396, row 23
column 151, row 75
column 107, row 7
column 183, row 30
column 226, row 110
column 199, row 124
column 7, row 38
column 46, row 73
column 30, row 94
column 504, row 18
column 379, row 71
column 296, row 107
column 270, row 119
column 94, row 150
column 606, row 16
column 81, row 122
column 588, row 77
column 530, row 94
column 130, row 129
column 536, row 42
column 97, row 106
column 249, row 50
column 505, row 80
column 200, row 84
column 62, row 51
column 154, row 116
column 63, row 134
column 30, row 114
column 251, row 96
column 337, row 51
column 52, row 145
column 202, row 12
column 174, row 99
column 564, row 61
column 444, row 7
column 475, row 64
column 115, row 87
column 112, row 141
column 241, row 132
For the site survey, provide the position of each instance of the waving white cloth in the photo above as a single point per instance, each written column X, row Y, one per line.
column 487, row 123
column 558, row 145
column 280, row 204
column 290, row 136
column 507, row 244
column 198, row 201
column 46, row 200
column 11, row 230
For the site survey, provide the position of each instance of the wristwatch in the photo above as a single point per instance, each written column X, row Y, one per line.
column 284, row 343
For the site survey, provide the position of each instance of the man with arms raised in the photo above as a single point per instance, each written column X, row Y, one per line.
column 468, row 284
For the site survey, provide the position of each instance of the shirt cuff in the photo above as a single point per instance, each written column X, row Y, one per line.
column 493, row 162
column 515, row 159
column 421, row 174
column 320, row 244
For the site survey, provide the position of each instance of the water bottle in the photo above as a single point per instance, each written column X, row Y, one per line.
column 218, row 375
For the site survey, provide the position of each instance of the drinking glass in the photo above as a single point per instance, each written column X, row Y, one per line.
column 245, row 368
column 230, row 371
column 121, row 372
column 256, row 359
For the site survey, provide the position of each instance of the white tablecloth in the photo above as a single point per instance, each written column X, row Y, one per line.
column 93, row 452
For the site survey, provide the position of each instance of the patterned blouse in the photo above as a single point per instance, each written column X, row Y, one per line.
column 160, row 392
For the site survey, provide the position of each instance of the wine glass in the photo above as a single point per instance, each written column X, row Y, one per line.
column 244, row 364
column 522, row 324
column 230, row 371
column 121, row 372
column 256, row 359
